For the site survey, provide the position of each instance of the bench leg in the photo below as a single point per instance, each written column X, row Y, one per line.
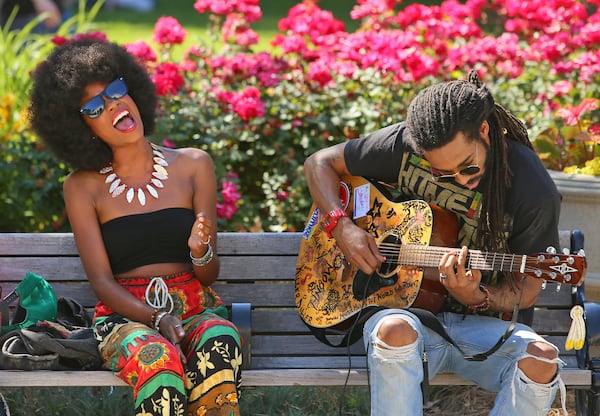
column 587, row 402
column 241, row 316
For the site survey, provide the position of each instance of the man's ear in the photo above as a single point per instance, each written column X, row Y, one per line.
column 485, row 129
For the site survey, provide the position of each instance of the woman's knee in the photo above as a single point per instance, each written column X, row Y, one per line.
column 396, row 332
column 541, row 363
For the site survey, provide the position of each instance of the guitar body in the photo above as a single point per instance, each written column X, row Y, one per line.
column 329, row 292
column 413, row 236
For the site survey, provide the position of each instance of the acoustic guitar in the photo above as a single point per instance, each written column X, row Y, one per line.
column 412, row 235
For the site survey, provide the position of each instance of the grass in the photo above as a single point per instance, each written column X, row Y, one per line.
column 263, row 401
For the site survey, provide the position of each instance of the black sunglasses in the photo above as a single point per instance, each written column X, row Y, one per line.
column 468, row 171
column 94, row 107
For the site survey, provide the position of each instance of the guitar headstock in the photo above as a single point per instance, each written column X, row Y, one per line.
column 560, row 268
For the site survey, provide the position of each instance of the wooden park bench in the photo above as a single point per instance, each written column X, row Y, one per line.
column 257, row 282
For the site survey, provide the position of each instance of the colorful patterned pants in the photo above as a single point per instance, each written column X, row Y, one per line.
column 142, row 357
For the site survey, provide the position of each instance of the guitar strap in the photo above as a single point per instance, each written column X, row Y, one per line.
column 350, row 336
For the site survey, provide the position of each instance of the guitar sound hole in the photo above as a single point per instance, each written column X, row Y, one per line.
column 390, row 248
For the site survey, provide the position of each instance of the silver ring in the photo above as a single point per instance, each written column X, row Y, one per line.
column 443, row 276
column 178, row 326
column 207, row 241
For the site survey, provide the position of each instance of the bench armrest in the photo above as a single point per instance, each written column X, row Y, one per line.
column 241, row 316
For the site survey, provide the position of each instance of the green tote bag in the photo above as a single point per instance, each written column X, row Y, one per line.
column 37, row 302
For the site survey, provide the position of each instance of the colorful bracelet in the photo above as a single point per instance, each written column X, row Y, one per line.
column 485, row 305
column 331, row 220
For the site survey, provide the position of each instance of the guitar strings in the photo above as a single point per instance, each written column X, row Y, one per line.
column 416, row 255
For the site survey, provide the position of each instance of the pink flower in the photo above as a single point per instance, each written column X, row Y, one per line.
column 282, row 195
column 168, row 31
column 562, row 87
column 229, row 192
column 594, row 129
column 571, row 115
column 59, row 40
column 167, row 78
column 247, row 104
column 230, row 197
column 168, row 143
column 249, row 9
column 142, row 51
column 236, row 30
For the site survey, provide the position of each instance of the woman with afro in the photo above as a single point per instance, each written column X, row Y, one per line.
column 144, row 221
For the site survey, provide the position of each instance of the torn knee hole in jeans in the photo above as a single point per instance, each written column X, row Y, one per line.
column 556, row 360
column 385, row 351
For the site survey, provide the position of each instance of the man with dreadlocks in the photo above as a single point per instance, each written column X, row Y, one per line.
column 461, row 151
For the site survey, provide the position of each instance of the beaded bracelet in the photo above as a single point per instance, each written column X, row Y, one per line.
column 485, row 305
column 204, row 260
column 153, row 317
column 158, row 319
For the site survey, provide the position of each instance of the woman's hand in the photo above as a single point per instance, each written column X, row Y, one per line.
column 172, row 329
column 201, row 235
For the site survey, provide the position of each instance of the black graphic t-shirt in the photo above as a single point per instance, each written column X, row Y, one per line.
column 532, row 203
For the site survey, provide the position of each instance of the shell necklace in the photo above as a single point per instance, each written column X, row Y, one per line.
column 159, row 174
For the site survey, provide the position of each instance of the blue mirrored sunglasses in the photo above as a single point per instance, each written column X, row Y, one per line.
column 94, row 107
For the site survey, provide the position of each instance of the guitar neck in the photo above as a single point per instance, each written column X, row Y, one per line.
column 430, row 256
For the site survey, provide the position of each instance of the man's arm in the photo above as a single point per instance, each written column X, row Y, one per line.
column 323, row 171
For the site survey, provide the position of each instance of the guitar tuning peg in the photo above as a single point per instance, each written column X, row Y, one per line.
column 581, row 252
column 551, row 250
column 566, row 251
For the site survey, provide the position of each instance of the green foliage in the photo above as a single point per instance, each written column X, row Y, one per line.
column 267, row 152
column 30, row 178
column 263, row 154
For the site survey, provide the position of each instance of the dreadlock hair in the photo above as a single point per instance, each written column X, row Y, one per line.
column 442, row 110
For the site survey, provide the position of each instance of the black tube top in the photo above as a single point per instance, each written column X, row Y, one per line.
column 153, row 237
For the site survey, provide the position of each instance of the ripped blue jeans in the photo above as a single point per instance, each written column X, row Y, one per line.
column 396, row 373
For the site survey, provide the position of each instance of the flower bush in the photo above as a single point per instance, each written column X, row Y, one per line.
column 572, row 145
column 260, row 113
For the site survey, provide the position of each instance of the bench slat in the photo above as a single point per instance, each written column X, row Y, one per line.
column 250, row 378
column 234, row 243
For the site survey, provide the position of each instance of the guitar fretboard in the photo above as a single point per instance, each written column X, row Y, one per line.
column 430, row 256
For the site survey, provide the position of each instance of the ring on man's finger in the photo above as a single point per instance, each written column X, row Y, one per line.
column 178, row 326
column 443, row 276
column 207, row 241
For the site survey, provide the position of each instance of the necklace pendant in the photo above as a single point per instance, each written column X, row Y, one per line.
column 157, row 183
column 129, row 195
column 113, row 186
column 141, row 196
column 118, row 190
column 159, row 173
column 152, row 191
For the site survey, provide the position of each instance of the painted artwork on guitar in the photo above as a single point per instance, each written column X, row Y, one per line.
column 412, row 235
